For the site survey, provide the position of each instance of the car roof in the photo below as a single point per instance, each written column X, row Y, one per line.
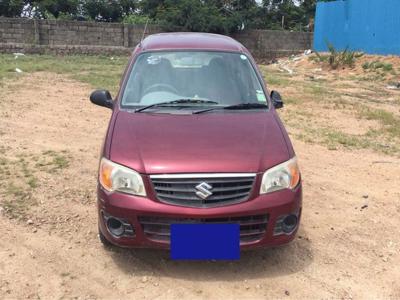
column 190, row 41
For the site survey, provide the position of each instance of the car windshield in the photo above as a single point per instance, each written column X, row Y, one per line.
column 215, row 78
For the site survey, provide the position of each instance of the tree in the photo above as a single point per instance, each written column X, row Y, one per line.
column 248, row 11
column 194, row 15
column 308, row 7
column 11, row 8
column 220, row 16
column 150, row 7
column 99, row 10
column 109, row 10
column 291, row 14
column 54, row 8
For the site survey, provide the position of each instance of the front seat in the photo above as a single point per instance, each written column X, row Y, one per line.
column 221, row 82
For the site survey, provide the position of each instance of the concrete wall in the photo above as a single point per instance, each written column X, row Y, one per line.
column 72, row 37
column 273, row 43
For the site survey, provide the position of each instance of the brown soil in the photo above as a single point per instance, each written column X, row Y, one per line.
column 347, row 247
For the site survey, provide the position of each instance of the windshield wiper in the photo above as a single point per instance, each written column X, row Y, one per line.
column 241, row 106
column 178, row 101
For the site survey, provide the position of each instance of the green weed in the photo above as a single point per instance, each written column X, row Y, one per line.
column 375, row 65
column 337, row 58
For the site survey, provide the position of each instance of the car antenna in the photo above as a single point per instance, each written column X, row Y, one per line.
column 144, row 31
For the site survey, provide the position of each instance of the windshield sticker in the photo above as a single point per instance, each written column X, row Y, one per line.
column 243, row 57
column 261, row 96
column 153, row 60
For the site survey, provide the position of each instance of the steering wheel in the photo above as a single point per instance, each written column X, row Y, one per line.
column 163, row 86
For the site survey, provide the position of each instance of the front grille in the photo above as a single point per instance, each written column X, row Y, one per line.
column 252, row 228
column 220, row 189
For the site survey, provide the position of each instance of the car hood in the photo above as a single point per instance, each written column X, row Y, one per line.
column 204, row 143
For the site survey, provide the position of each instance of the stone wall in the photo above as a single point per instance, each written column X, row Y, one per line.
column 274, row 43
column 74, row 37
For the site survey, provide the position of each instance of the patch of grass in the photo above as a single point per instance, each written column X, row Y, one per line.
column 49, row 152
column 26, row 171
column 352, row 99
column 390, row 122
column 14, row 190
column 98, row 71
column 336, row 58
column 375, row 65
column 333, row 138
column 342, row 104
column 372, row 77
column 329, row 137
column 19, row 177
column 291, row 101
column 60, row 162
column 274, row 78
column 33, row 182
column 387, row 67
column 304, row 125
column 42, row 163
column 56, row 161
column 316, row 90
column 318, row 57
column 18, row 201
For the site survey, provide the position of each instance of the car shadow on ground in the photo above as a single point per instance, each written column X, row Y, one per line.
column 260, row 263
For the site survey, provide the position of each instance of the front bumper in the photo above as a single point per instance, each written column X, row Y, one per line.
column 132, row 209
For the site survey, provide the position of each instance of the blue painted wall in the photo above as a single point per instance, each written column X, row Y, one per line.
column 371, row 26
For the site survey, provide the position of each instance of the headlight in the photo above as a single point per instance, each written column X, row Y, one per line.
column 114, row 177
column 283, row 176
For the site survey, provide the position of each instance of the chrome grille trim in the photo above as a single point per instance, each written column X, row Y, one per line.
column 180, row 189
column 202, row 175
column 158, row 229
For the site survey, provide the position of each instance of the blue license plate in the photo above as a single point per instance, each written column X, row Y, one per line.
column 205, row 241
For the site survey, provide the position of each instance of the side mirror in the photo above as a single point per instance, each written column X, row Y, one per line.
column 276, row 99
column 102, row 98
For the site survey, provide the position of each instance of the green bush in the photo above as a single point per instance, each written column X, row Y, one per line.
column 339, row 58
column 375, row 65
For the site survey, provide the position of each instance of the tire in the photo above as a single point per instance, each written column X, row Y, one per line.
column 106, row 243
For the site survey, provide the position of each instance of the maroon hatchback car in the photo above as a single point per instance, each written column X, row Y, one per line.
column 194, row 137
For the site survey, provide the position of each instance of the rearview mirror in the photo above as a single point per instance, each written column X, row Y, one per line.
column 276, row 99
column 102, row 98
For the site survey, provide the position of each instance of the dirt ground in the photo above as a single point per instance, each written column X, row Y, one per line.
column 50, row 136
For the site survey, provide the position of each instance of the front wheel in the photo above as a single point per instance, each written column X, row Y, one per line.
column 106, row 243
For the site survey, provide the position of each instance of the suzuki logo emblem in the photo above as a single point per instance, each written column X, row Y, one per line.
column 203, row 190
